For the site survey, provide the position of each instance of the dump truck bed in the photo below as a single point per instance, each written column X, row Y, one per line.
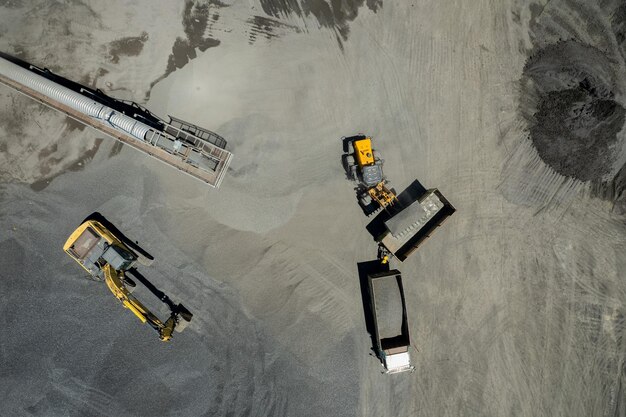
column 389, row 309
column 391, row 328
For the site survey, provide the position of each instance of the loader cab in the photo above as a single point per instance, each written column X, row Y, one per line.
column 372, row 175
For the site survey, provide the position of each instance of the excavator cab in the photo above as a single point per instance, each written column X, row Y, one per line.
column 107, row 258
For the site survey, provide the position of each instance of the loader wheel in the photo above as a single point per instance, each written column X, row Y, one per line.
column 365, row 200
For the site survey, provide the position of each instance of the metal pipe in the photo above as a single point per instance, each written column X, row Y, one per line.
column 73, row 99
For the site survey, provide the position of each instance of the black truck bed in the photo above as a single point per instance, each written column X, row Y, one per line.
column 389, row 310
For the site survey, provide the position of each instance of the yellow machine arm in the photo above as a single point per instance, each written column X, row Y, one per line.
column 382, row 195
column 114, row 280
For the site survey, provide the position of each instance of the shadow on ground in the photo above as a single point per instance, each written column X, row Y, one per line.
column 364, row 269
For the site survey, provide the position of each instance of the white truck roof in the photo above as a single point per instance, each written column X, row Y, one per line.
column 398, row 362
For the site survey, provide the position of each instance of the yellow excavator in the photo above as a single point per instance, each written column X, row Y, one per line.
column 106, row 256
column 365, row 167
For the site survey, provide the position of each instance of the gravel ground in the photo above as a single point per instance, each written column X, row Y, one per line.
column 513, row 109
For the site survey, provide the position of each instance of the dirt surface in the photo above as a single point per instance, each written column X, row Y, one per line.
column 516, row 306
column 128, row 46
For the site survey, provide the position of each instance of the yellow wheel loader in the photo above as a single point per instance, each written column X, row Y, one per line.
column 365, row 166
column 107, row 257
column 408, row 219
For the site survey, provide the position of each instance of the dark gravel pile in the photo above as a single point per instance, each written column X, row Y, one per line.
column 573, row 116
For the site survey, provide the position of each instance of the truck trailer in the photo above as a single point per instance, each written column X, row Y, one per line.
column 391, row 327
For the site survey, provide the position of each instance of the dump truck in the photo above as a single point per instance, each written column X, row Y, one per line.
column 391, row 327
column 105, row 256
column 405, row 226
